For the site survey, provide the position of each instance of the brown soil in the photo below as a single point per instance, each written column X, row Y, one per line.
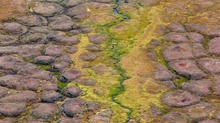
column 10, row 8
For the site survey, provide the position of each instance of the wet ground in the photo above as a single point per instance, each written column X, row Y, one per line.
column 106, row 61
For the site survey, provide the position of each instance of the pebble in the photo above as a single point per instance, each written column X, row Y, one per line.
column 179, row 98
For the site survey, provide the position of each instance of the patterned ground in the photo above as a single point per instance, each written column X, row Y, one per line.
column 106, row 61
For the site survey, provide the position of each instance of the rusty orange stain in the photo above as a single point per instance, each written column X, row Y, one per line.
column 10, row 8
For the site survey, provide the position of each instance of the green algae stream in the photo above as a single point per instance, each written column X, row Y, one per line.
column 115, row 52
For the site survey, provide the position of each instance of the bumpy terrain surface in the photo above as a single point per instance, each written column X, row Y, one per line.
column 107, row 61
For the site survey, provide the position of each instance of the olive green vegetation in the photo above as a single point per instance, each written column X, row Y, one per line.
column 123, row 35
column 62, row 84
column 119, row 43
column 115, row 51
column 44, row 67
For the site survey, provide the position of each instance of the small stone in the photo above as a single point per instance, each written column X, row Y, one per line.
column 33, row 38
column 176, row 27
column 174, row 117
column 12, row 109
column 7, row 120
column 104, row 1
column 57, row 67
column 66, row 58
column 163, row 75
column 153, row 43
column 131, row 121
column 168, row 84
column 92, row 106
column 87, row 29
column 42, row 74
column 93, row 47
column 198, row 87
column 208, row 121
column 31, row 84
column 68, row 41
column 14, row 28
column 151, row 54
column 55, row 1
column 155, row 111
column 200, row 110
column 3, row 91
column 13, row 63
column 214, row 32
column 106, row 112
column 70, row 120
column 214, row 46
column 87, row 82
column 34, row 121
column 7, row 40
column 73, row 107
column 211, row 65
column 75, row 31
column 198, row 50
column 216, row 87
column 100, row 69
column 99, row 119
column 148, row 2
column 103, row 116
column 192, row 27
column 71, row 49
column 32, row 69
column 11, row 81
column 30, row 51
column 70, row 75
column 71, row 91
column 178, row 51
column 88, row 56
column 32, row 20
column 217, row 115
column 45, row 60
column 176, row 37
column 53, row 50
column 47, row 9
column 196, row 37
column 179, row 98
column 50, row 96
column 49, row 86
column 59, row 17
column 55, row 36
column 24, row 96
column 155, row 87
column 35, row 72
column 9, row 50
column 41, row 29
column 71, row 3
column 44, row 111
column 78, row 12
column 62, row 24
column 187, row 68
column 97, row 39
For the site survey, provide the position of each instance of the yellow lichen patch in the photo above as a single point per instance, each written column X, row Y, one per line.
column 100, row 93
column 102, row 18
column 196, row 11
column 125, row 55
column 81, row 49
column 132, row 27
column 105, row 82
column 140, row 91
